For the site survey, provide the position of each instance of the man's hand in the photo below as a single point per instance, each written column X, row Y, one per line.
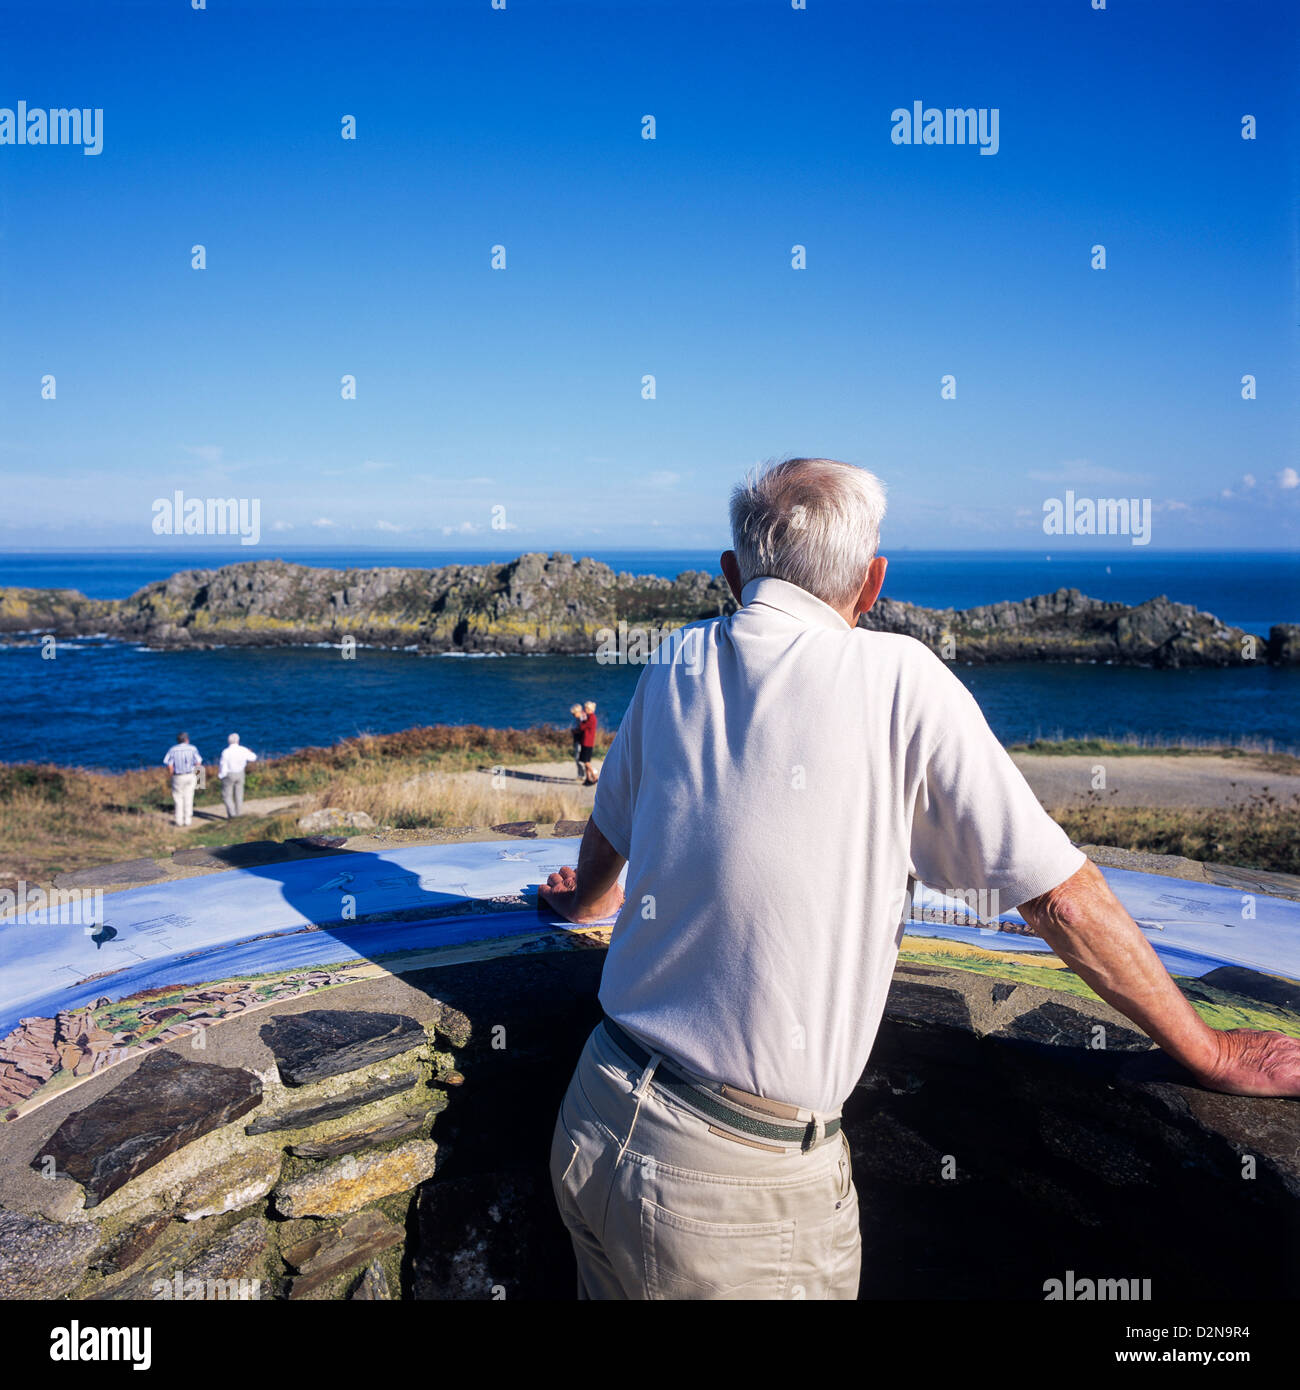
column 561, row 891
column 593, row 891
column 1254, row 1063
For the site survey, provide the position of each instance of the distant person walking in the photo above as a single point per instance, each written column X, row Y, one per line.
column 235, row 758
column 589, row 778
column 576, row 734
column 184, row 760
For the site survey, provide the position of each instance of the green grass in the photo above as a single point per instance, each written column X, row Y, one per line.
column 1261, row 755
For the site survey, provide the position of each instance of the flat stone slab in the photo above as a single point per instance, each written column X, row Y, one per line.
column 128, row 871
column 231, row 1186
column 42, row 1259
column 163, row 1105
column 304, row 1116
column 320, row 1259
column 185, row 1274
column 569, row 827
column 327, row 1042
column 934, row 1005
column 352, row 1183
column 320, row 841
column 1058, row 1025
column 365, row 1138
column 242, row 856
column 523, row 829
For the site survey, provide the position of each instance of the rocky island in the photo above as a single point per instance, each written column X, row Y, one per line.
column 556, row 603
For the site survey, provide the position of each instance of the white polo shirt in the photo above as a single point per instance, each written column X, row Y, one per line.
column 773, row 789
column 234, row 759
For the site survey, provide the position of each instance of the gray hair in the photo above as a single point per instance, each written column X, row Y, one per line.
column 812, row 522
column 234, row 738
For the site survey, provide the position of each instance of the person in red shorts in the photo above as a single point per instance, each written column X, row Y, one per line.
column 588, row 725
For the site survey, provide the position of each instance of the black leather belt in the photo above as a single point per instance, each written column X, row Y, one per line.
column 711, row 1104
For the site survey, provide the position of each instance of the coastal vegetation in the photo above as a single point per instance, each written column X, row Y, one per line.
column 438, row 778
column 54, row 819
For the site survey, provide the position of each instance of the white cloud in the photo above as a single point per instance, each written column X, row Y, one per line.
column 388, row 526
column 282, row 526
column 1248, row 480
column 662, row 478
column 324, row 522
column 1288, row 478
column 466, row 528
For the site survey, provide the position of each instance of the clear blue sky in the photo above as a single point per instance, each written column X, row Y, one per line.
column 522, row 389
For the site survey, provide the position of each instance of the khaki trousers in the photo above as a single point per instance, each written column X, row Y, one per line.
column 232, row 794
column 660, row 1205
column 183, row 784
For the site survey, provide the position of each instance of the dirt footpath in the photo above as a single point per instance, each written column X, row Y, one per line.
column 1058, row 780
column 1140, row 780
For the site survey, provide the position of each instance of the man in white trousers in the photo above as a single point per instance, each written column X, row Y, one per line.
column 773, row 797
column 184, row 760
column 235, row 759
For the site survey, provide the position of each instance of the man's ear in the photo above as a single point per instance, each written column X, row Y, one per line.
column 731, row 572
column 871, row 589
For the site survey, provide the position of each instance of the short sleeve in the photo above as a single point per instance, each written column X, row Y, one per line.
column 620, row 777
column 977, row 824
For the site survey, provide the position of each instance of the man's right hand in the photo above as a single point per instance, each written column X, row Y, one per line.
column 561, row 892
column 1254, row 1063
column 1088, row 928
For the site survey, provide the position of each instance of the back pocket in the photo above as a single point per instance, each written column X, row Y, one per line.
column 690, row 1259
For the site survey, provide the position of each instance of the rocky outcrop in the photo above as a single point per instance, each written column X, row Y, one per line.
column 1069, row 626
column 540, row 603
column 177, row 1197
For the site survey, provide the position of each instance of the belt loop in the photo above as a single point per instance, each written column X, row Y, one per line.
column 815, row 1132
column 647, row 1076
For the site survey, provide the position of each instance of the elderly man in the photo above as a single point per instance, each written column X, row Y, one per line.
column 185, row 762
column 698, row 1153
column 235, row 759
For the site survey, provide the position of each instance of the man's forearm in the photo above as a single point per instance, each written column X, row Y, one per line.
column 1088, row 928
column 599, row 865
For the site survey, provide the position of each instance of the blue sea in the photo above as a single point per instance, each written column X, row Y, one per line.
column 112, row 705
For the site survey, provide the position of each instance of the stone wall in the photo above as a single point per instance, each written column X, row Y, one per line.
column 331, row 1152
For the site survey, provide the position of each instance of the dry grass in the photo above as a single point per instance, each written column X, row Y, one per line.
column 434, row 799
column 1261, row 832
